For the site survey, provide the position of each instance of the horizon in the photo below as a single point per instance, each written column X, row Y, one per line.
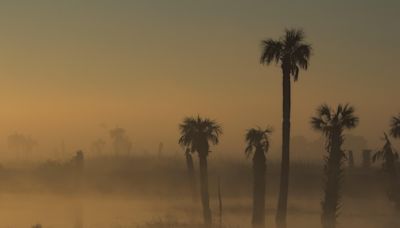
column 199, row 114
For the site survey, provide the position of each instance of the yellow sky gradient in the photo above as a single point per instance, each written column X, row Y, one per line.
column 68, row 68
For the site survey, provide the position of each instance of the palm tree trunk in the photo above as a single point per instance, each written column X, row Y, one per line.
column 205, row 201
column 259, row 168
column 220, row 202
column 334, row 176
column 191, row 174
column 284, row 182
column 394, row 181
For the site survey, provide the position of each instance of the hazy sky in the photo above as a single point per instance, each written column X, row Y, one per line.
column 68, row 67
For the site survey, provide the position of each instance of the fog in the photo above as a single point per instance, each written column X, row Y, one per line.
column 119, row 185
column 153, row 190
column 204, row 114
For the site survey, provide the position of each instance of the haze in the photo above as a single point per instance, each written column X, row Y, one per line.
column 168, row 114
column 69, row 67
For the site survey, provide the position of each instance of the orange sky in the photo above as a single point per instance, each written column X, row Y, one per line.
column 67, row 67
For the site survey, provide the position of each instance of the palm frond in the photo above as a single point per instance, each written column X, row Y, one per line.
column 317, row 124
column 395, row 126
column 293, row 37
column 196, row 131
column 302, row 55
column 249, row 150
column 325, row 112
column 327, row 119
column 290, row 50
column 272, row 50
column 348, row 119
column 257, row 138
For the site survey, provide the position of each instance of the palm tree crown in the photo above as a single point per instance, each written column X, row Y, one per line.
column 395, row 126
column 197, row 133
column 328, row 119
column 257, row 139
column 290, row 50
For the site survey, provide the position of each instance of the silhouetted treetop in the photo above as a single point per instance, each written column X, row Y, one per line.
column 327, row 119
column 290, row 51
column 197, row 132
column 257, row 138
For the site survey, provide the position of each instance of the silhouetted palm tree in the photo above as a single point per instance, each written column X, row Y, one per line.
column 293, row 54
column 197, row 134
column 389, row 158
column 258, row 145
column 395, row 126
column 332, row 123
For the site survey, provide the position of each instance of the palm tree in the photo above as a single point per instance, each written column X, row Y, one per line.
column 293, row 54
column 197, row 134
column 332, row 123
column 389, row 158
column 258, row 145
column 395, row 126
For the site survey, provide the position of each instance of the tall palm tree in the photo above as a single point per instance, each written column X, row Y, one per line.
column 197, row 134
column 293, row 54
column 389, row 158
column 332, row 123
column 395, row 126
column 257, row 146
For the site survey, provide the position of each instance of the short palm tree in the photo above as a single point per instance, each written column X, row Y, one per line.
column 257, row 146
column 197, row 134
column 293, row 54
column 389, row 158
column 332, row 123
column 395, row 126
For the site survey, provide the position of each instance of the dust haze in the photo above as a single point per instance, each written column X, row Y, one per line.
column 112, row 185
column 208, row 114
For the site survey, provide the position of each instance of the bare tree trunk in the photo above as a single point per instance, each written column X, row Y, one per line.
column 205, row 201
column 284, row 182
column 259, row 168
